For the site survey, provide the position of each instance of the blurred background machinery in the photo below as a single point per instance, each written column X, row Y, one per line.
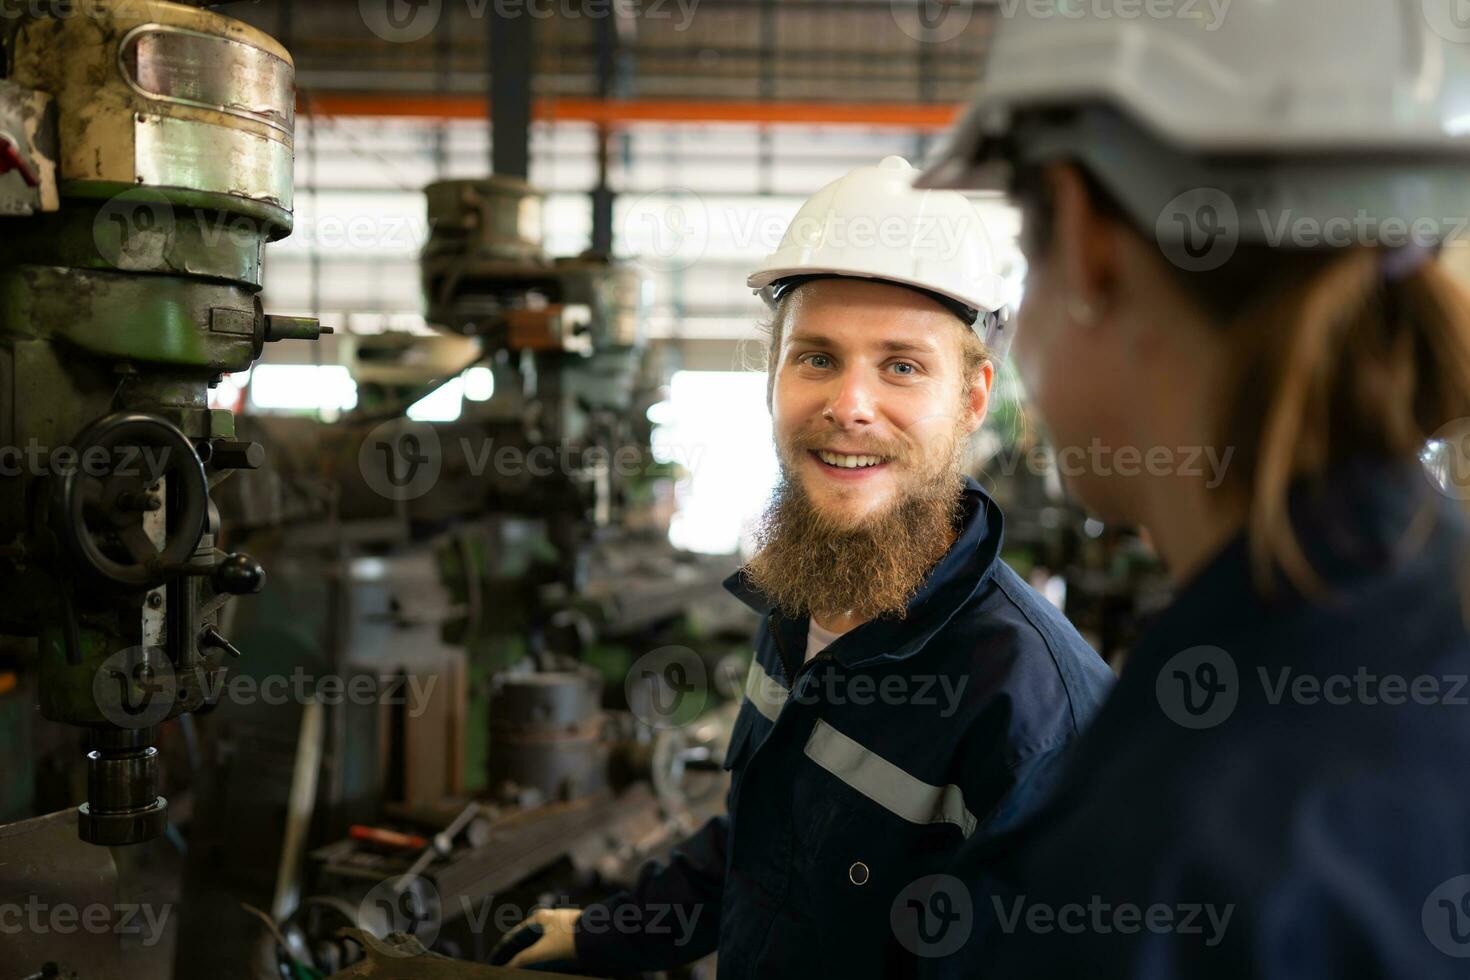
column 502, row 575
column 483, row 659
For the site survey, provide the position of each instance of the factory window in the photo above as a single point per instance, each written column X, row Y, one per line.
column 443, row 404
column 716, row 427
column 326, row 389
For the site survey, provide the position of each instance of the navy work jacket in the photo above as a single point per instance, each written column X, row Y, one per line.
column 1279, row 787
column 856, row 778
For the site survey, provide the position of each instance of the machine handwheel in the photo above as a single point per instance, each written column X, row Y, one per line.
column 101, row 514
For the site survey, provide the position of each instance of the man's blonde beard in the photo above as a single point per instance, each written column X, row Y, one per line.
column 809, row 564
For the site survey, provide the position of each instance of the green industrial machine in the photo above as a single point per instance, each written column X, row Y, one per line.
column 145, row 160
column 518, row 555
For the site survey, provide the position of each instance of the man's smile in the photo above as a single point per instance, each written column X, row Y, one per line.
column 848, row 466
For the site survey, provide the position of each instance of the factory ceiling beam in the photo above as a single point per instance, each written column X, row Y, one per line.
column 621, row 112
column 512, row 51
column 615, row 40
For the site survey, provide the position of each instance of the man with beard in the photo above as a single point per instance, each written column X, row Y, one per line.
column 909, row 692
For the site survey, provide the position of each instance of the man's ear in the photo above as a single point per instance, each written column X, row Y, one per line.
column 978, row 401
column 1086, row 242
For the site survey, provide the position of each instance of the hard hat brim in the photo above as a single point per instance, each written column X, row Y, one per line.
column 986, row 301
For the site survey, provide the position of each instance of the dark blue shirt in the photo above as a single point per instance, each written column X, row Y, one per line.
column 858, row 776
column 1280, row 786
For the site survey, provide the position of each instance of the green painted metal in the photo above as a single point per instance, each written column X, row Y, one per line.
column 279, row 219
column 136, row 233
column 161, row 320
column 128, row 297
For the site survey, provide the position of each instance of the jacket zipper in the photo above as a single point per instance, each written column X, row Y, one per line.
column 786, row 657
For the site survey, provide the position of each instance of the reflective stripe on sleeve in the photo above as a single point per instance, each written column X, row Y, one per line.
column 886, row 784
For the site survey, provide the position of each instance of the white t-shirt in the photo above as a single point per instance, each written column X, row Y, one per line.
column 817, row 638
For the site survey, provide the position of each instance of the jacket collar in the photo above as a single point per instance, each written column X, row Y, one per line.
column 965, row 568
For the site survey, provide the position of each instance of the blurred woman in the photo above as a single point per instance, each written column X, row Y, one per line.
column 1233, row 232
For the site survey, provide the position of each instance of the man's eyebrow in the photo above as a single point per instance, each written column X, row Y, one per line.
column 909, row 347
column 891, row 346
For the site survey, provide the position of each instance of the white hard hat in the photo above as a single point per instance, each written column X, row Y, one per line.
column 1317, row 108
column 873, row 224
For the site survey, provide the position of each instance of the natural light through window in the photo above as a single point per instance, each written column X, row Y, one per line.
column 325, row 389
column 443, row 404
column 716, row 426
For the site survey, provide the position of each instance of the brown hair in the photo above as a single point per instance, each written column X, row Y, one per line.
column 1334, row 361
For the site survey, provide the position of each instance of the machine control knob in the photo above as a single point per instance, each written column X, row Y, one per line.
column 209, row 637
column 238, row 574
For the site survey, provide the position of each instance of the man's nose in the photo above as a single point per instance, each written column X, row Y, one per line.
column 852, row 401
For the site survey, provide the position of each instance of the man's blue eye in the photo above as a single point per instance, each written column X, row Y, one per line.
column 904, row 364
column 813, row 358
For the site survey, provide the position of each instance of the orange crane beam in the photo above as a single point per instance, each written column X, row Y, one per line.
column 613, row 113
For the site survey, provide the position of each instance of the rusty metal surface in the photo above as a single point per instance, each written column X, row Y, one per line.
column 519, row 845
column 28, row 123
column 165, row 95
column 402, row 958
column 58, row 882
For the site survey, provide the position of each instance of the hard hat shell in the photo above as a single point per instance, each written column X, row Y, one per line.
column 1312, row 109
column 872, row 224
